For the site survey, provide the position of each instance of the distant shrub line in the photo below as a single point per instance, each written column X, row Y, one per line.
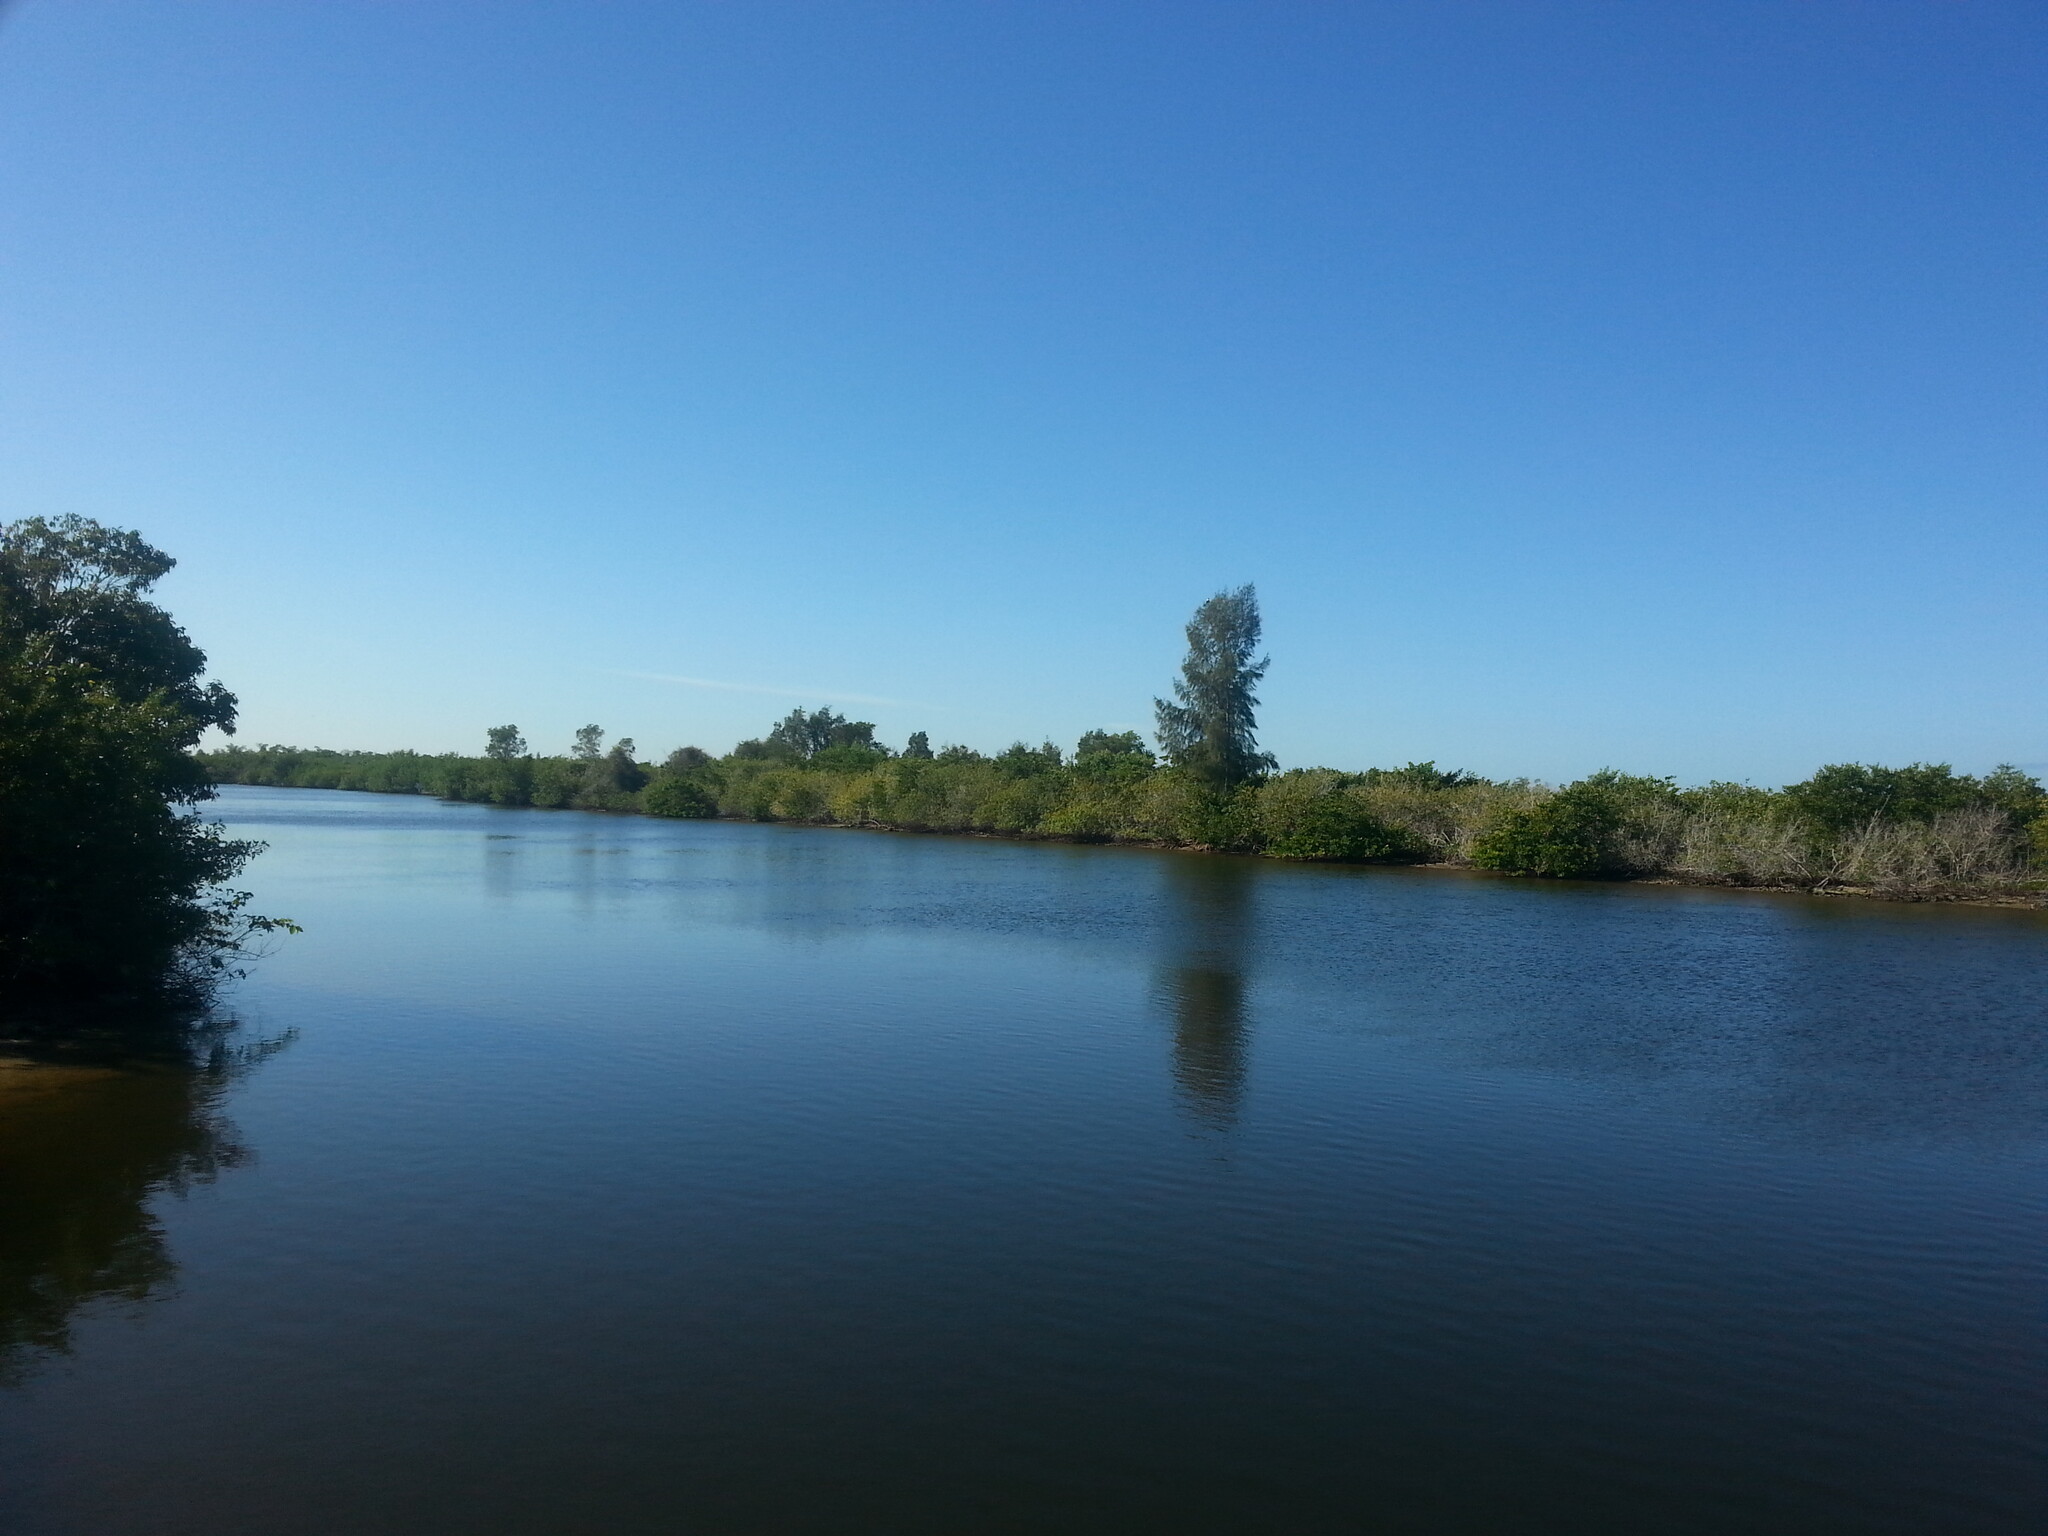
column 1922, row 832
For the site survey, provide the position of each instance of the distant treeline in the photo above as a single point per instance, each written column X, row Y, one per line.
column 1921, row 831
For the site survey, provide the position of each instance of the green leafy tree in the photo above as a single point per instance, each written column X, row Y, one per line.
column 1420, row 776
column 72, row 590
column 2017, row 794
column 686, row 760
column 589, row 744
column 1111, row 743
column 1211, row 728
column 1119, row 757
column 919, row 747
column 807, row 733
column 800, row 733
column 1018, row 761
column 1845, row 796
column 507, row 776
column 621, row 772
column 854, row 733
column 109, row 884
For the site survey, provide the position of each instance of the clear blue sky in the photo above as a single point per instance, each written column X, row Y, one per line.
column 1649, row 384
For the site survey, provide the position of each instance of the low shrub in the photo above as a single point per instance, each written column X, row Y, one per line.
column 1314, row 815
column 1444, row 824
column 1959, row 850
column 1760, row 845
column 1569, row 836
column 678, row 797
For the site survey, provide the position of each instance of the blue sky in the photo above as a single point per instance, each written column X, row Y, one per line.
column 1656, row 385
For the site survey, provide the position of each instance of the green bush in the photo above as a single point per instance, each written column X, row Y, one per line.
column 1311, row 815
column 678, row 797
column 1226, row 820
column 1567, row 837
column 749, row 794
column 556, row 781
column 801, row 796
column 1845, row 796
column 848, row 759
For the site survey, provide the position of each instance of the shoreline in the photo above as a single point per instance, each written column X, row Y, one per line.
column 2011, row 901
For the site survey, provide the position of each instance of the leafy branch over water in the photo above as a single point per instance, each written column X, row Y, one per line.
column 111, row 888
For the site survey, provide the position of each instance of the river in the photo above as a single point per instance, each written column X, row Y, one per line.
column 610, row 1175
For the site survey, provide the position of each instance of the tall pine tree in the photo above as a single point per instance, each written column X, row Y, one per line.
column 1211, row 727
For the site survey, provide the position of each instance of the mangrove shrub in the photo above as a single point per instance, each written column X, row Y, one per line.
column 110, row 883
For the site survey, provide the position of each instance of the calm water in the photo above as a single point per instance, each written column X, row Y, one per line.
column 617, row 1176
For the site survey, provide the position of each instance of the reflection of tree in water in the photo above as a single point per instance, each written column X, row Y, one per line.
column 83, row 1149
column 1209, row 918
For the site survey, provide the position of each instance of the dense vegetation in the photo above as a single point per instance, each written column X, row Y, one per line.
column 110, row 887
column 1918, row 831
column 1922, row 831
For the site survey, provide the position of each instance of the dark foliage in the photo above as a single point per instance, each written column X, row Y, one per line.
column 1419, row 776
column 1314, row 817
column 1845, row 796
column 679, row 797
column 620, row 773
column 805, row 735
column 108, row 880
column 1018, row 761
column 1112, row 744
column 1566, row 837
column 1211, row 730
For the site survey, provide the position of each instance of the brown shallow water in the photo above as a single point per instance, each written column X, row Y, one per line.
column 623, row 1176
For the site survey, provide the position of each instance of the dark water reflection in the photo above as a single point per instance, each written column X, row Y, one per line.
column 1209, row 925
column 86, row 1149
column 632, row 1177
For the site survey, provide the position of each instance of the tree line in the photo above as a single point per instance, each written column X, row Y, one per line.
column 1918, row 831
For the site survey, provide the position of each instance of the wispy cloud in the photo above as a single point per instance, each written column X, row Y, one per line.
column 828, row 695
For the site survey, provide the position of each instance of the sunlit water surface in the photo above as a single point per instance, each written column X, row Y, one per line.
column 623, row 1176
